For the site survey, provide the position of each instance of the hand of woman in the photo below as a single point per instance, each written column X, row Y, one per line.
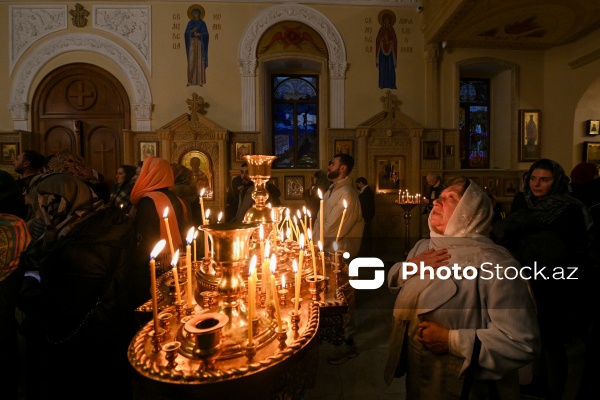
column 432, row 258
column 434, row 337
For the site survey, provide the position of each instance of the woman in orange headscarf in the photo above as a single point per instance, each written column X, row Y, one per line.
column 151, row 196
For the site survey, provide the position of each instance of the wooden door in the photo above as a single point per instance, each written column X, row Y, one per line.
column 84, row 109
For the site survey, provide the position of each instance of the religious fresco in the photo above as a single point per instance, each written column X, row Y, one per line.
column 196, row 46
column 291, row 36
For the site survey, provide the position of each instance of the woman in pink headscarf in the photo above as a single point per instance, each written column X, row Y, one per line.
column 151, row 195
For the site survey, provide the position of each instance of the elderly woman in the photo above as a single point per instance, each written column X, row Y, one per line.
column 75, row 295
column 464, row 334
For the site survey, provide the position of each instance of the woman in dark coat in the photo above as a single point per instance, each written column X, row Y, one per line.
column 79, row 318
column 119, row 197
column 550, row 229
column 151, row 195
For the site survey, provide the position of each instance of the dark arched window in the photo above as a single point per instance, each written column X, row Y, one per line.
column 295, row 100
column 474, row 123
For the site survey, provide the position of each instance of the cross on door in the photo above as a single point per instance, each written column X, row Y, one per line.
column 80, row 91
column 102, row 152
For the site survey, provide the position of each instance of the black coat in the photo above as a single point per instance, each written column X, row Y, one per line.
column 79, row 317
column 367, row 204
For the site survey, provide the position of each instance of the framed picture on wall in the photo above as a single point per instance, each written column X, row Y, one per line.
column 390, row 173
column 148, row 149
column 592, row 127
column 511, row 187
column 344, row 147
column 10, row 151
column 530, row 135
column 243, row 149
column 431, row 150
column 294, row 187
column 591, row 152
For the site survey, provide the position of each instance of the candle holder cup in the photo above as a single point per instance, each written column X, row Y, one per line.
column 171, row 349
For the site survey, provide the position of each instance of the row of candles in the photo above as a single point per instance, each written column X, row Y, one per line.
column 404, row 197
column 268, row 285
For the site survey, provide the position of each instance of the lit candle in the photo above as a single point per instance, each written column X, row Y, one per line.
column 188, row 265
column 312, row 251
column 301, row 252
column 336, row 259
column 304, row 212
column 297, row 283
column 265, row 273
column 322, row 256
column 157, row 249
column 342, row 221
column 206, row 248
column 274, row 291
column 219, row 217
column 202, row 202
column 321, row 215
column 166, row 219
column 251, row 297
column 195, row 248
column 176, row 275
column 309, row 219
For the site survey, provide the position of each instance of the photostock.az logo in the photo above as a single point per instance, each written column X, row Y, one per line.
column 366, row 262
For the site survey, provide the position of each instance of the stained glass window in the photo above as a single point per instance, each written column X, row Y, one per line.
column 474, row 123
column 295, row 121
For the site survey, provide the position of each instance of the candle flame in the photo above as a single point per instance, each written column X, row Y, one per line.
column 195, row 234
column 308, row 213
column 190, row 235
column 335, row 246
column 283, row 281
column 166, row 213
column 267, row 250
column 273, row 263
column 309, row 234
column 220, row 216
column 304, row 209
column 252, row 265
column 299, row 214
column 158, row 248
column 301, row 241
column 320, row 194
column 295, row 266
column 345, row 204
column 175, row 258
column 320, row 246
column 207, row 214
column 261, row 232
column 272, row 214
column 202, row 192
column 287, row 212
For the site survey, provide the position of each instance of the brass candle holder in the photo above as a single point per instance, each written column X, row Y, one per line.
column 282, row 296
column 156, row 339
column 164, row 320
column 259, row 171
column 171, row 350
column 282, row 337
column 295, row 320
column 315, row 286
column 206, row 329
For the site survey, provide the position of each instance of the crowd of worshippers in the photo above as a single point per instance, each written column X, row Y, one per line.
column 75, row 266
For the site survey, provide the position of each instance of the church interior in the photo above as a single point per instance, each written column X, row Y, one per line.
column 480, row 89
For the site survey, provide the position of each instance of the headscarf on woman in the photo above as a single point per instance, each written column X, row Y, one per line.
column 64, row 203
column 547, row 208
column 157, row 174
column 121, row 191
column 14, row 238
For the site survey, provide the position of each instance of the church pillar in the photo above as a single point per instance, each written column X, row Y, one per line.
column 432, row 85
column 165, row 144
column 248, row 68
column 337, row 72
column 221, row 183
column 362, row 133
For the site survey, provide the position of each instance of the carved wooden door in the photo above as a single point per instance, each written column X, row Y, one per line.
column 84, row 109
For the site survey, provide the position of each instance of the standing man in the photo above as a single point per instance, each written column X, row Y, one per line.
column 233, row 194
column 341, row 189
column 434, row 189
column 29, row 164
column 366, row 196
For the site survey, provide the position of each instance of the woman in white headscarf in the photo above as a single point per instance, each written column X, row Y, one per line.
column 467, row 334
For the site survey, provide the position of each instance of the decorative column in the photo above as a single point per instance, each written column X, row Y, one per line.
column 164, row 137
column 248, row 69
column 362, row 134
column 432, row 85
column 337, row 72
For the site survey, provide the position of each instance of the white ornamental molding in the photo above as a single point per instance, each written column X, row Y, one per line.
column 132, row 23
column 31, row 65
column 28, row 24
column 312, row 18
